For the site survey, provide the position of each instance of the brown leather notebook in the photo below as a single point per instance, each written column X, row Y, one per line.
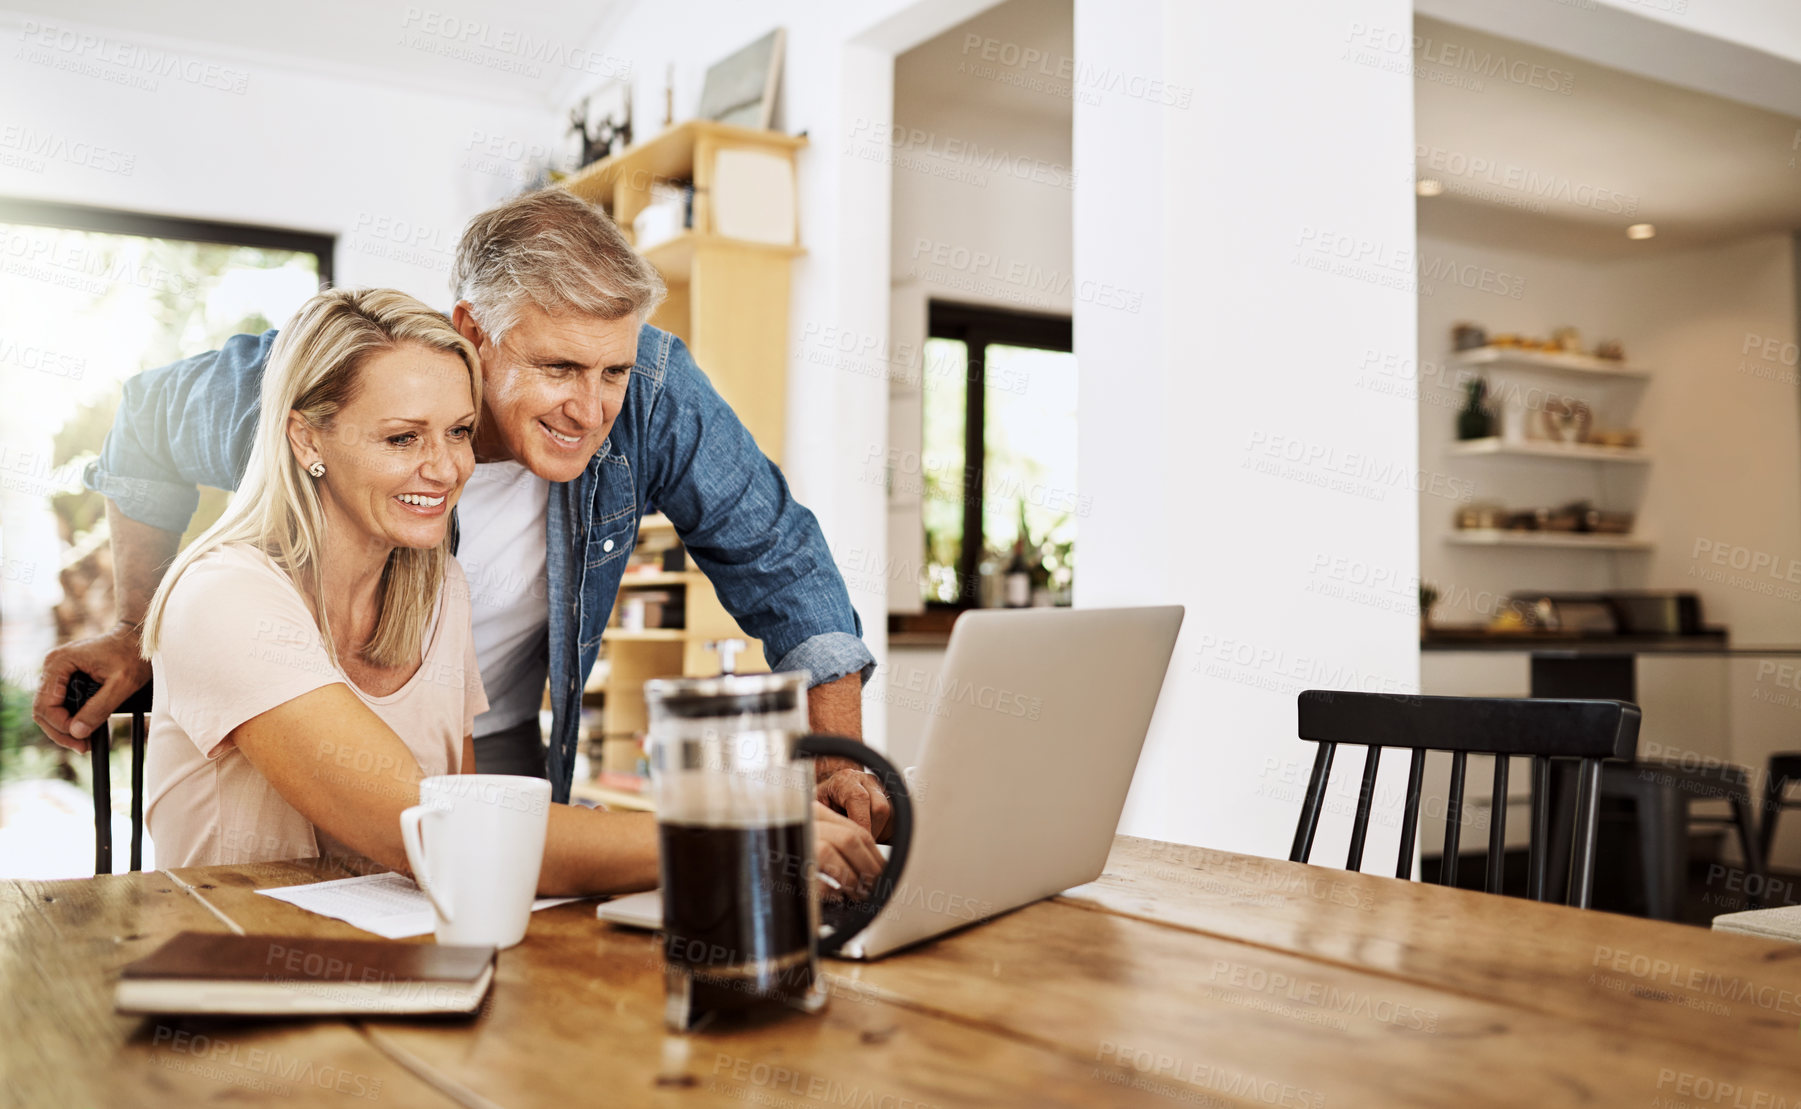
column 204, row 972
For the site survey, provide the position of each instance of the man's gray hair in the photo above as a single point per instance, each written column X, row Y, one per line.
column 552, row 249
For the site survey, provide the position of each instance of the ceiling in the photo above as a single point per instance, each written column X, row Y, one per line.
column 1567, row 172
column 527, row 52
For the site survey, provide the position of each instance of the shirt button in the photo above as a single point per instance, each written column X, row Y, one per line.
column 607, row 546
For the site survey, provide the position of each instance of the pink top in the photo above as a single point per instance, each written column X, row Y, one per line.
column 237, row 640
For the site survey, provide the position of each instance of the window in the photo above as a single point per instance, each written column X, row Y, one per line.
column 90, row 297
column 1000, row 449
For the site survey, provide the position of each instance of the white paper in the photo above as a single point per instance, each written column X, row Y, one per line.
column 390, row 905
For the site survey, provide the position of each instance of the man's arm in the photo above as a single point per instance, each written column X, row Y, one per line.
column 766, row 557
column 187, row 424
column 141, row 555
column 836, row 708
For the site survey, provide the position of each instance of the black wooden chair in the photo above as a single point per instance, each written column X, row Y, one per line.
column 1541, row 728
column 81, row 687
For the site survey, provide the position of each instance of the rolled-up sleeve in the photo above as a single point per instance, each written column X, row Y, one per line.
column 182, row 425
column 762, row 549
column 828, row 657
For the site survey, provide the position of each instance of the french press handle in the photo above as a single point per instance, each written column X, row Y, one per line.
column 900, row 836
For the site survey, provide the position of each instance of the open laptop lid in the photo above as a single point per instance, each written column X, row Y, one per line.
column 1036, row 723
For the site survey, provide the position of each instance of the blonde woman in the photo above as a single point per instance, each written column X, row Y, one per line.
column 312, row 649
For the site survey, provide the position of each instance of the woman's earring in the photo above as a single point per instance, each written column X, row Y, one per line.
column 317, row 469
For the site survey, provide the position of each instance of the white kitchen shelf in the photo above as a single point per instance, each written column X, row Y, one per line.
column 1570, row 365
column 1548, row 540
column 1539, row 448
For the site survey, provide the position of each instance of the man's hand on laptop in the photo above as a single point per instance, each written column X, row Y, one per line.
column 110, row 658
column 858, row 794
column 847, row 853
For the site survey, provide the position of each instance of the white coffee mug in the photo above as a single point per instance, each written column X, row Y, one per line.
column 475, row 843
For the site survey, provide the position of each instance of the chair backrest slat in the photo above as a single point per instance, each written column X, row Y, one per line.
column 1538, row 852
column 1454, row 820
column 1310, row 807
column 1497, row 824
column 1542, row 728
column 1410, row 813
column 1360, row 825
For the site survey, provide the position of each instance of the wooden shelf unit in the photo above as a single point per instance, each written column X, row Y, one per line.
column 728, row 301
column 635, row 657
column 728, row 298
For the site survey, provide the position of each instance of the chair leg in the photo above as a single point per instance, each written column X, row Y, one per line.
column 100, row 763
column 1756, row 880
column 140, row 738
column 1772, row 806
column 1663, row 845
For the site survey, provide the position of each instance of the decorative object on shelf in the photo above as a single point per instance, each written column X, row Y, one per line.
column 669, row 213
column 1482, row 516
column 1566, row 420
column 598, row 138
column 1477, row 420
column 669, row 96
column 1428, row 598
column 1566, row 339
column 741, row 89
column 1577, row 516
column 1468, row 336
column 1624, row 438
column 1610, row 349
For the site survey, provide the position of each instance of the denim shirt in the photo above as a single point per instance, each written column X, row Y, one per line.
column 676, row 446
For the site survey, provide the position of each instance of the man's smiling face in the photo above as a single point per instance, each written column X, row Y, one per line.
column 551, row 388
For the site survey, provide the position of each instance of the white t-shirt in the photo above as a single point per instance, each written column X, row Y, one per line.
column 503, row 515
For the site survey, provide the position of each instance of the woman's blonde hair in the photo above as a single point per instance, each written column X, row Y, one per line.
column 314, row 370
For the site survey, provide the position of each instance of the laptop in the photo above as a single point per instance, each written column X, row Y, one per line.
column 1032, row 736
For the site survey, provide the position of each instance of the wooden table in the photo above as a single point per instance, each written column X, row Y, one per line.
column 1183, row 976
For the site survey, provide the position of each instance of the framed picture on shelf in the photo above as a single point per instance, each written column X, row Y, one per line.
column 741, row 89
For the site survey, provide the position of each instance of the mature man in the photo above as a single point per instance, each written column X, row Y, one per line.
column 590, row 419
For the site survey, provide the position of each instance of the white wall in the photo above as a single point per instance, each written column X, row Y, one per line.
column 1227, row 451
column 394, row 173
column 837, row 83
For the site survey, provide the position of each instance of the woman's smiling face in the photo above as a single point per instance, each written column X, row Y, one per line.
column 398, row 454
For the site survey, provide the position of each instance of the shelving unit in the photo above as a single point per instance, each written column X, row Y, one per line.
column 728, row 298
column 1547, row 540
column 1583, row 375
column 1537, row 448
column 635, row 657
column 1572, row 365
column 728, row 301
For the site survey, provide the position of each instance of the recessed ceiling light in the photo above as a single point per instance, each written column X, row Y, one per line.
column 1429, row 186
column 1641, row 231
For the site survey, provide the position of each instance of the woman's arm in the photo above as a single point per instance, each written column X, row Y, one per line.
column 355, row 784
